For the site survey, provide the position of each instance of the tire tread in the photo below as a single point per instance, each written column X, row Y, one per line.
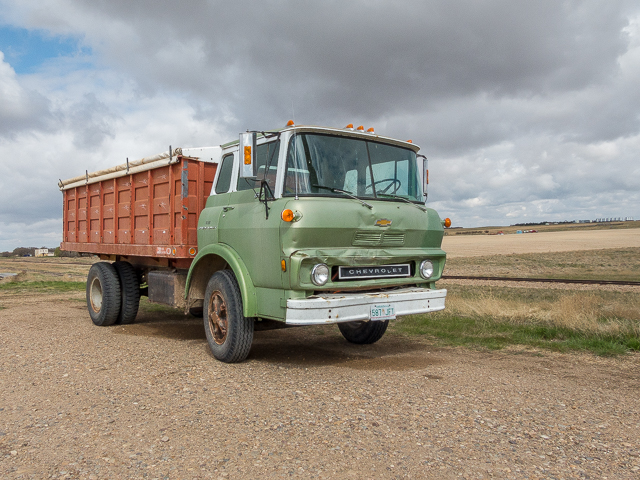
column 240, row 335
column 363, row 333
column 130, row 290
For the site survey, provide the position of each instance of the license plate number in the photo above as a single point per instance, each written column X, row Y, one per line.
column 382, row 312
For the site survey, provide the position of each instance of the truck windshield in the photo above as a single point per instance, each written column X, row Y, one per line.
column 331, row 165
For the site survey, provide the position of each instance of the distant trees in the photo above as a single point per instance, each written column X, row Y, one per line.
column 24, row 251
column 31, row 251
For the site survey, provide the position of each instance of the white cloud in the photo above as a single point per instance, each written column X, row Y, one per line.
column 526, row 111
column 20, row 105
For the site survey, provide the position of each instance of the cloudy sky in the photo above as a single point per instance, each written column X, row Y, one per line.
column 528, row 111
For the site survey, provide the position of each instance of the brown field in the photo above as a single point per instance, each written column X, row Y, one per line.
column 541, row 242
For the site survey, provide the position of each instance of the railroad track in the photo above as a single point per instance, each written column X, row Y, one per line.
column 542, row 280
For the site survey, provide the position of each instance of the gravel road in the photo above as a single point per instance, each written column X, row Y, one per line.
column 148, row 401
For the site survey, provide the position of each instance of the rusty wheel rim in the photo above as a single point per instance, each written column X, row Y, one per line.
column 218, row 322
column 95, row 295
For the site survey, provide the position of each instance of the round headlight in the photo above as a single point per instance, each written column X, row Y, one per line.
column 426, row 269
column 320, row 274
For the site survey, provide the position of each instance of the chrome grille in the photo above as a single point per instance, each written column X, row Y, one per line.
column 366, row 239
column 375, row 239
column 393, row 239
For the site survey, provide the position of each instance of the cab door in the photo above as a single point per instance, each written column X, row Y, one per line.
column 208, row 222
column 247, row 227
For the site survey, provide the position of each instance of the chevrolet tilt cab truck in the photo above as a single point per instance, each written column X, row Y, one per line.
column 305, row 225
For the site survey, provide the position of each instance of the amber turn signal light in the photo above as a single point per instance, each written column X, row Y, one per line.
column 447, row 222
column 287, row 215
column 283, row 265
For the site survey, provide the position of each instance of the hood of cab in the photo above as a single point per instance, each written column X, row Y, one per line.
column 329, row 222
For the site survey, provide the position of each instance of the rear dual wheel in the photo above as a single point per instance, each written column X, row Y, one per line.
column 130, row 288
column 103, row 294
column 113, row 293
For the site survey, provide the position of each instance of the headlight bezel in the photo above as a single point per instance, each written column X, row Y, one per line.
column 427, row 266
column 316, row 274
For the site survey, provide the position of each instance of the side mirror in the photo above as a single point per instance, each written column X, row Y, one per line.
column 247, row 154
column 425, row 175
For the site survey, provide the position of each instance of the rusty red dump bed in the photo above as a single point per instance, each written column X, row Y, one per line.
column 148, row 211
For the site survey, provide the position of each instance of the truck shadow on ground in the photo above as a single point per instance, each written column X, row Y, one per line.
column 301, row 347
column 171, row 324
column 324, row 346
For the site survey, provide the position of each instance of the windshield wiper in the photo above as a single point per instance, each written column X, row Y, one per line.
column 404, row 200
column 344, row 192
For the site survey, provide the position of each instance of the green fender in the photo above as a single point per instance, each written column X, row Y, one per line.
column 248, row 291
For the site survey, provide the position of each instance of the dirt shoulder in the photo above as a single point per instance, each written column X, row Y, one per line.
column 148, row 401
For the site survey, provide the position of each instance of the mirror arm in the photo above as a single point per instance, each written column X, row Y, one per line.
column 266, row 189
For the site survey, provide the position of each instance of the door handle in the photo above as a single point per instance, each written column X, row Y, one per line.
column 226, row 209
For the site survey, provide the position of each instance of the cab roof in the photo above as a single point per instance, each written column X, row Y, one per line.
column 346, row 132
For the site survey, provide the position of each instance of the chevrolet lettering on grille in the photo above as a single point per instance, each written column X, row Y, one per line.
column 376, row 271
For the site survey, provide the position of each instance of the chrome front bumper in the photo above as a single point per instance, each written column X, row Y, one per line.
column 349, row 307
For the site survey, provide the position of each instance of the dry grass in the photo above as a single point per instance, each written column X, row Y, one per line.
column 603, row 322
column 587, row 312
column 30, row 269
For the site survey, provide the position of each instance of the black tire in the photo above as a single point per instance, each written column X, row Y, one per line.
column 130, row 289
column 103, row 294
column 363, row 333
column 228, row 331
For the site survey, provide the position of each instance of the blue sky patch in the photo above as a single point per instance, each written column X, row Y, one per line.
column 26, row 50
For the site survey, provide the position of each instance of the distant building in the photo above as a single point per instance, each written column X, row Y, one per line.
column 43, row 252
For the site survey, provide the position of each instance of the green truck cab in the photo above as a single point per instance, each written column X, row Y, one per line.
column 313, row 225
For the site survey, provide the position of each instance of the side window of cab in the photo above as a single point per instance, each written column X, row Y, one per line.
column 224, row 178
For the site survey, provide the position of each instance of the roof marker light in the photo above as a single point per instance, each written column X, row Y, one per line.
column 290, row 123
column 409, row 141
column 360, row 128
column 349, row 127
column 370, row 130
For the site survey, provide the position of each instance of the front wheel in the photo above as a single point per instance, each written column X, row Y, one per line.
column 229, row 332
column 363, row 333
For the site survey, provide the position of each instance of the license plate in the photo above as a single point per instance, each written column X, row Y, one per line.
column 382, row 312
